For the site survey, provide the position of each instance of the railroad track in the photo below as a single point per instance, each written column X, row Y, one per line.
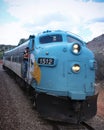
column 87, row 126
column 56, row 125
column 67, row 126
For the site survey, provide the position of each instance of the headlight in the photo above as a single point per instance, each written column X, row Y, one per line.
column 75, row 68
column 76, row 48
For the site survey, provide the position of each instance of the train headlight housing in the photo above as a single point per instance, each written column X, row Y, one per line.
column 76, row 48
column 76, row 68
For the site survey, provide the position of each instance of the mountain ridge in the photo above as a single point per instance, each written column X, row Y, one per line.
column 97, row 44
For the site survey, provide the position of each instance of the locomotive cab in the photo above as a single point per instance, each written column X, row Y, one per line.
column 62, row 61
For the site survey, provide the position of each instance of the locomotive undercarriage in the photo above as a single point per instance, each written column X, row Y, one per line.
column 65, row 109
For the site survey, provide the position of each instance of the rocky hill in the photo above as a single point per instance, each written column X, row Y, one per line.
column 97, row 46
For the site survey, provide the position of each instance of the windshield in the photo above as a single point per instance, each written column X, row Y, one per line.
column 50, row 38
column 72, row 39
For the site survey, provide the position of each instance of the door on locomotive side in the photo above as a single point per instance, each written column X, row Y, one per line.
column 31, row 59
column 34, row 73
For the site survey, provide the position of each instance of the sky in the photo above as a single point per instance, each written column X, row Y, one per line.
column 21, row 18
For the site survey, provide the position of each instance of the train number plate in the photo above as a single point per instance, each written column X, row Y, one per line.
column 46, row 61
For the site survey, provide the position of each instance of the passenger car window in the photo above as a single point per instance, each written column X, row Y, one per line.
column 50, row 38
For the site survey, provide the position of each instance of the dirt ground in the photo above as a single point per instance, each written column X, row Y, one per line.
column 17, row 113
column 100, row 103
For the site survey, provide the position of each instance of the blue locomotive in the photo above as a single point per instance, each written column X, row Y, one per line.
column 61, row 71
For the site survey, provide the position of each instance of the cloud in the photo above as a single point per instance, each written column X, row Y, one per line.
column 34, row 16
column 93, row 0
column 35, row 10
column 98, row 20
column 96, row 28
column 11, row 33
column 98, row 0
